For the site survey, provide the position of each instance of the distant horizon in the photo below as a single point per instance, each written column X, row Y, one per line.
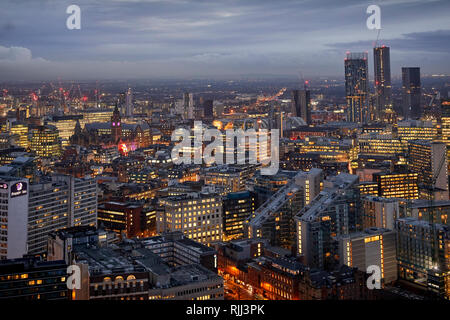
column 275, row 77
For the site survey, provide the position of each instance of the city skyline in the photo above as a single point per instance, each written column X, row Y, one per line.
column 224, row 150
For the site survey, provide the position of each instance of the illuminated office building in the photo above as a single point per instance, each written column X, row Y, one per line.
column 66, row 127
column 273, row 220
column 252, row 147
column 332, row 213
column 56, row 203
column 379, row 212
column 380, row 144
column 33, row 279
column 371, row 247
column 397, row 185
column 233, row 176
column 382, row 73
column 188, row 106
column 198, row 216
column 122, row 217
column 144, row 175
column 445, row 120
column 311, row 181
column 422, row 254
column 83, row 199
column 44, row 141
column 445, row 124
column 417, row 130
column 411, row 93
column 302, row 105
column 341, row 149
column 368, row 189
column 237, row 207
column 436, row 212
column 356, row 87
column 21, row 130
column 95, row 115
column 13, row 217
column 266, row 186
column 48, row 207
column 429, row 160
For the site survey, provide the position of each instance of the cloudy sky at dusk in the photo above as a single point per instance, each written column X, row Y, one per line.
column 127, row 39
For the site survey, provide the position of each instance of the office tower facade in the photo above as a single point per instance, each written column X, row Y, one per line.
column 237, row 207
column 332, row 213
column 311, row 181
column 429, row 160
column 198, row 216
column 445, row 120
column 383, row 87
column 188, row 106
column 380, row 143
column 44, row 141
column 417, row 130
column 116, row 125
column 379, row 212
column 14, row 215
column 21, row 130
column 371, row 247
column 129, row 108
column 48, row 206
column 273, row 220
column 411, row 93
column 436, row 212
column 422, row 254
column 83, row 200
column 95, row 115
column 208, row 108
column 397, row 185
column 56, row 203
column 301, row 104
column 32, row 279
column 445, row 123
column 356, row 87
column 66, row 127
column 122, row 217
column 267, row 186
column 231, row 176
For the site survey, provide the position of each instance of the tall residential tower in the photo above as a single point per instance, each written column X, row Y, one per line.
column 383, row 88
column 356, row 86
column 412, row 108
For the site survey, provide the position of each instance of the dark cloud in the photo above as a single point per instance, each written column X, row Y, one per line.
column 418, row 42
column 213, row 38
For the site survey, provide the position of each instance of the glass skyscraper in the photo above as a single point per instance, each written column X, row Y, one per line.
column 383, row 87
column 356, row 86
column 412, row 108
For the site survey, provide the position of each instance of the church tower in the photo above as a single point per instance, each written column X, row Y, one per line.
column 116, row 125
